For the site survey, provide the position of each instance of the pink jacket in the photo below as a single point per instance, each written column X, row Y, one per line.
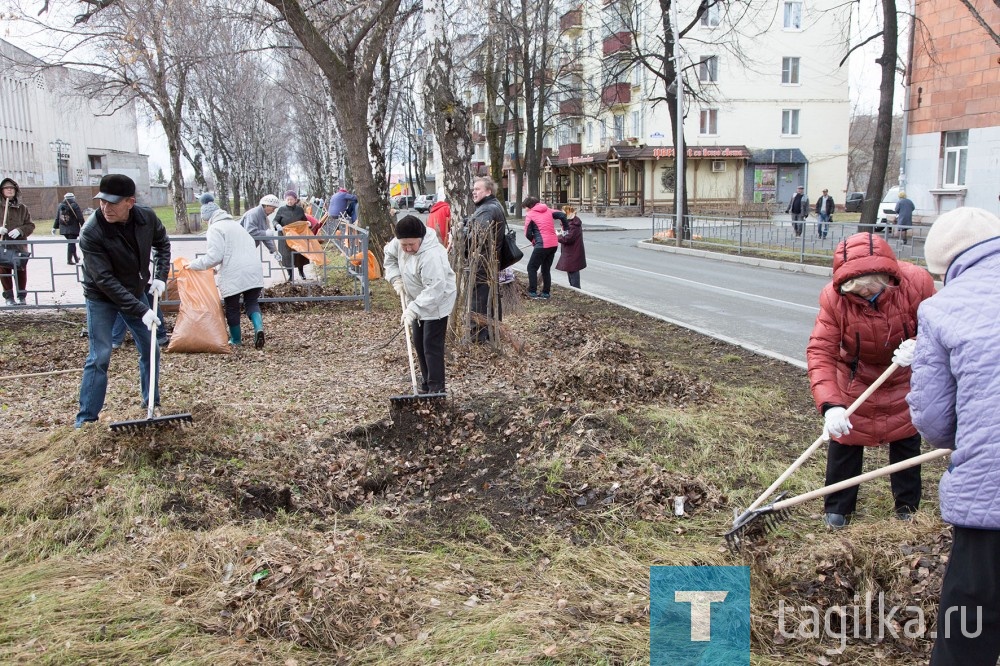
column 539, row 227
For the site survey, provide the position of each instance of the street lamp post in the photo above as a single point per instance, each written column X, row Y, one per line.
column 61, row 149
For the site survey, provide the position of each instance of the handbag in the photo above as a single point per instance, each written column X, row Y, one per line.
column 9, row 256
column 510, row 253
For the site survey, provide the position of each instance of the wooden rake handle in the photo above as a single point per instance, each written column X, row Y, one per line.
column 861, row 478
column 819, row 441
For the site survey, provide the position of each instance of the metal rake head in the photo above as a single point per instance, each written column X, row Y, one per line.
column 756, row 523
column 137, row 426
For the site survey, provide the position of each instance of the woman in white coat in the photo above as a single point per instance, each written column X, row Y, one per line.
column 240, row 274
column 416, row 265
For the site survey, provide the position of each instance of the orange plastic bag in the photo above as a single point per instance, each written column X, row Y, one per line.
column 374, row 270
column 311, row 249
column 201, row 325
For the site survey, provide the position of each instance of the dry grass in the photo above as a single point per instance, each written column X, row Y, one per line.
column 289, row 524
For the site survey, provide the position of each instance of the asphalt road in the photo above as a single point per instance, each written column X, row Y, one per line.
column 766, row 310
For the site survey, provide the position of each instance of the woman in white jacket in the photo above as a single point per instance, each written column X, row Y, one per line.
column 416, row 265
column 240, row 274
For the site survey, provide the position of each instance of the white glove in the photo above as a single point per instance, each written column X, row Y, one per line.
column 409, row 317
column 3, row 230
column 150, row 320
column 397, row 284
column 14, row 233
column 270, row 232
column 157, row 288
column 55, row 232
column 277, row 257
column 904, row 353
column 836, row 423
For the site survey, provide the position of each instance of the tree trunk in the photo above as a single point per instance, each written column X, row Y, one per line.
column 177, row 178
column 883, row 127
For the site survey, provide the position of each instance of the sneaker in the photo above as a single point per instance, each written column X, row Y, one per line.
column 116, row 345
column 258, row 339
column 533, row 294
column 10, row 302
column 904, row 514
column 164, row 341
column 835, row 521
column 22, row 301
column 544, row 295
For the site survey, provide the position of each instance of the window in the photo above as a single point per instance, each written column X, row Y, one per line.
column 637, row 124
column 793, row 15
column 708, row 69
column 590, row 132
column 96, row 162
column 604, row 130
column 790, row 70
column 790, row 122
column 620, row 127
column 956, row 155
column 637, row 75
column 712, row 16
column 709, row 125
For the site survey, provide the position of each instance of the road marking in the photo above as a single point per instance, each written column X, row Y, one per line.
column 808, row 308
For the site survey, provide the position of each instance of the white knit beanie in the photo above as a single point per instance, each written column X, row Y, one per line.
column 955, row 232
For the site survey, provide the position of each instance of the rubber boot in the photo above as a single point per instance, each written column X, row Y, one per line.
column 258, row 330
column 235, row 336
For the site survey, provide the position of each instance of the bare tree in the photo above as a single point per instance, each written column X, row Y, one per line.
column 859, row 152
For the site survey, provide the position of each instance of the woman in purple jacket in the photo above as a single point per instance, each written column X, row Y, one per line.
column 953, row 396
column 572, row 259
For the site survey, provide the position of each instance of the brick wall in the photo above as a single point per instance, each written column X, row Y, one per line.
column 956, row 68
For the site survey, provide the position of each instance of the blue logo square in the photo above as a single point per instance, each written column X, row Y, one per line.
column 699, row 616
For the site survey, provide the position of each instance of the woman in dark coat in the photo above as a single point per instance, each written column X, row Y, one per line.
column 572, row 258
column 69, row 219
column 291, row 212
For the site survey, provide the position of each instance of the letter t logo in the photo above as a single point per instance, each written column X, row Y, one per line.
column 701, row 610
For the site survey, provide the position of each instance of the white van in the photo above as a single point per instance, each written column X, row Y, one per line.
column 887, row 209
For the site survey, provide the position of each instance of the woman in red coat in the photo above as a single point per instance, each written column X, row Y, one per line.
column 866, row 313
column 572, row 257
column 439, row 220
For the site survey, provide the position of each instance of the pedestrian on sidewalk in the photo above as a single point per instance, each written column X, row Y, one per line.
column 824, row 214
column 904, row 216
column 954, row 387
column 867, row 312
column 572, row 257
column 240, row 274
column 799, row 208
column 69, row 219
column 539, row 228
column 16, row 226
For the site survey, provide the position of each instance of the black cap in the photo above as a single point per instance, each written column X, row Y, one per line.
column 410, row 227
column 115, row 187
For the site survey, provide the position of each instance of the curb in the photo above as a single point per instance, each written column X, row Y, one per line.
column 791, row 267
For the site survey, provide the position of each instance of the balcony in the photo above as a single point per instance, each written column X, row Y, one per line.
column 479, row 108
column 571, row 107
column 568, row 150
column 570, row 64
column 520, row 125
column 617, row 42
column 478, row 137
column 616, row 94
column 571, row 20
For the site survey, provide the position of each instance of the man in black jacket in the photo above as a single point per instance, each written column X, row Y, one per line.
column 485, row 232
column 799, row 208
column 117, row 242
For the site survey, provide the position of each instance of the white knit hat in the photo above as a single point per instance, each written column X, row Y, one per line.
column 955, row 232
column 270, row 200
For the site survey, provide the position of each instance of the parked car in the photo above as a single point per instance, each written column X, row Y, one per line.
column 402, row 201
column 854, row 202
column 424, row 202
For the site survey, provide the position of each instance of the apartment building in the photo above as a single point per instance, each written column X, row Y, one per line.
column 50, row 137
column 771, row 110
column 953, row 135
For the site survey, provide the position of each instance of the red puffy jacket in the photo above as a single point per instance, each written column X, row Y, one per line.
column 854, row 339
column 439, row 220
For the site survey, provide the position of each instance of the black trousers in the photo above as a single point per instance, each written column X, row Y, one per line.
column 71, row 255
column 970, row 587
column 428, row 340
column 250, row 305
column 481, row 304
column 541, row 257
column 574, row 279
column 843, row 462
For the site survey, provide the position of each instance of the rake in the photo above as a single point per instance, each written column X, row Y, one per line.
column 151, row 421
column 767, row 518
column 739, row 519
column 399, row 402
